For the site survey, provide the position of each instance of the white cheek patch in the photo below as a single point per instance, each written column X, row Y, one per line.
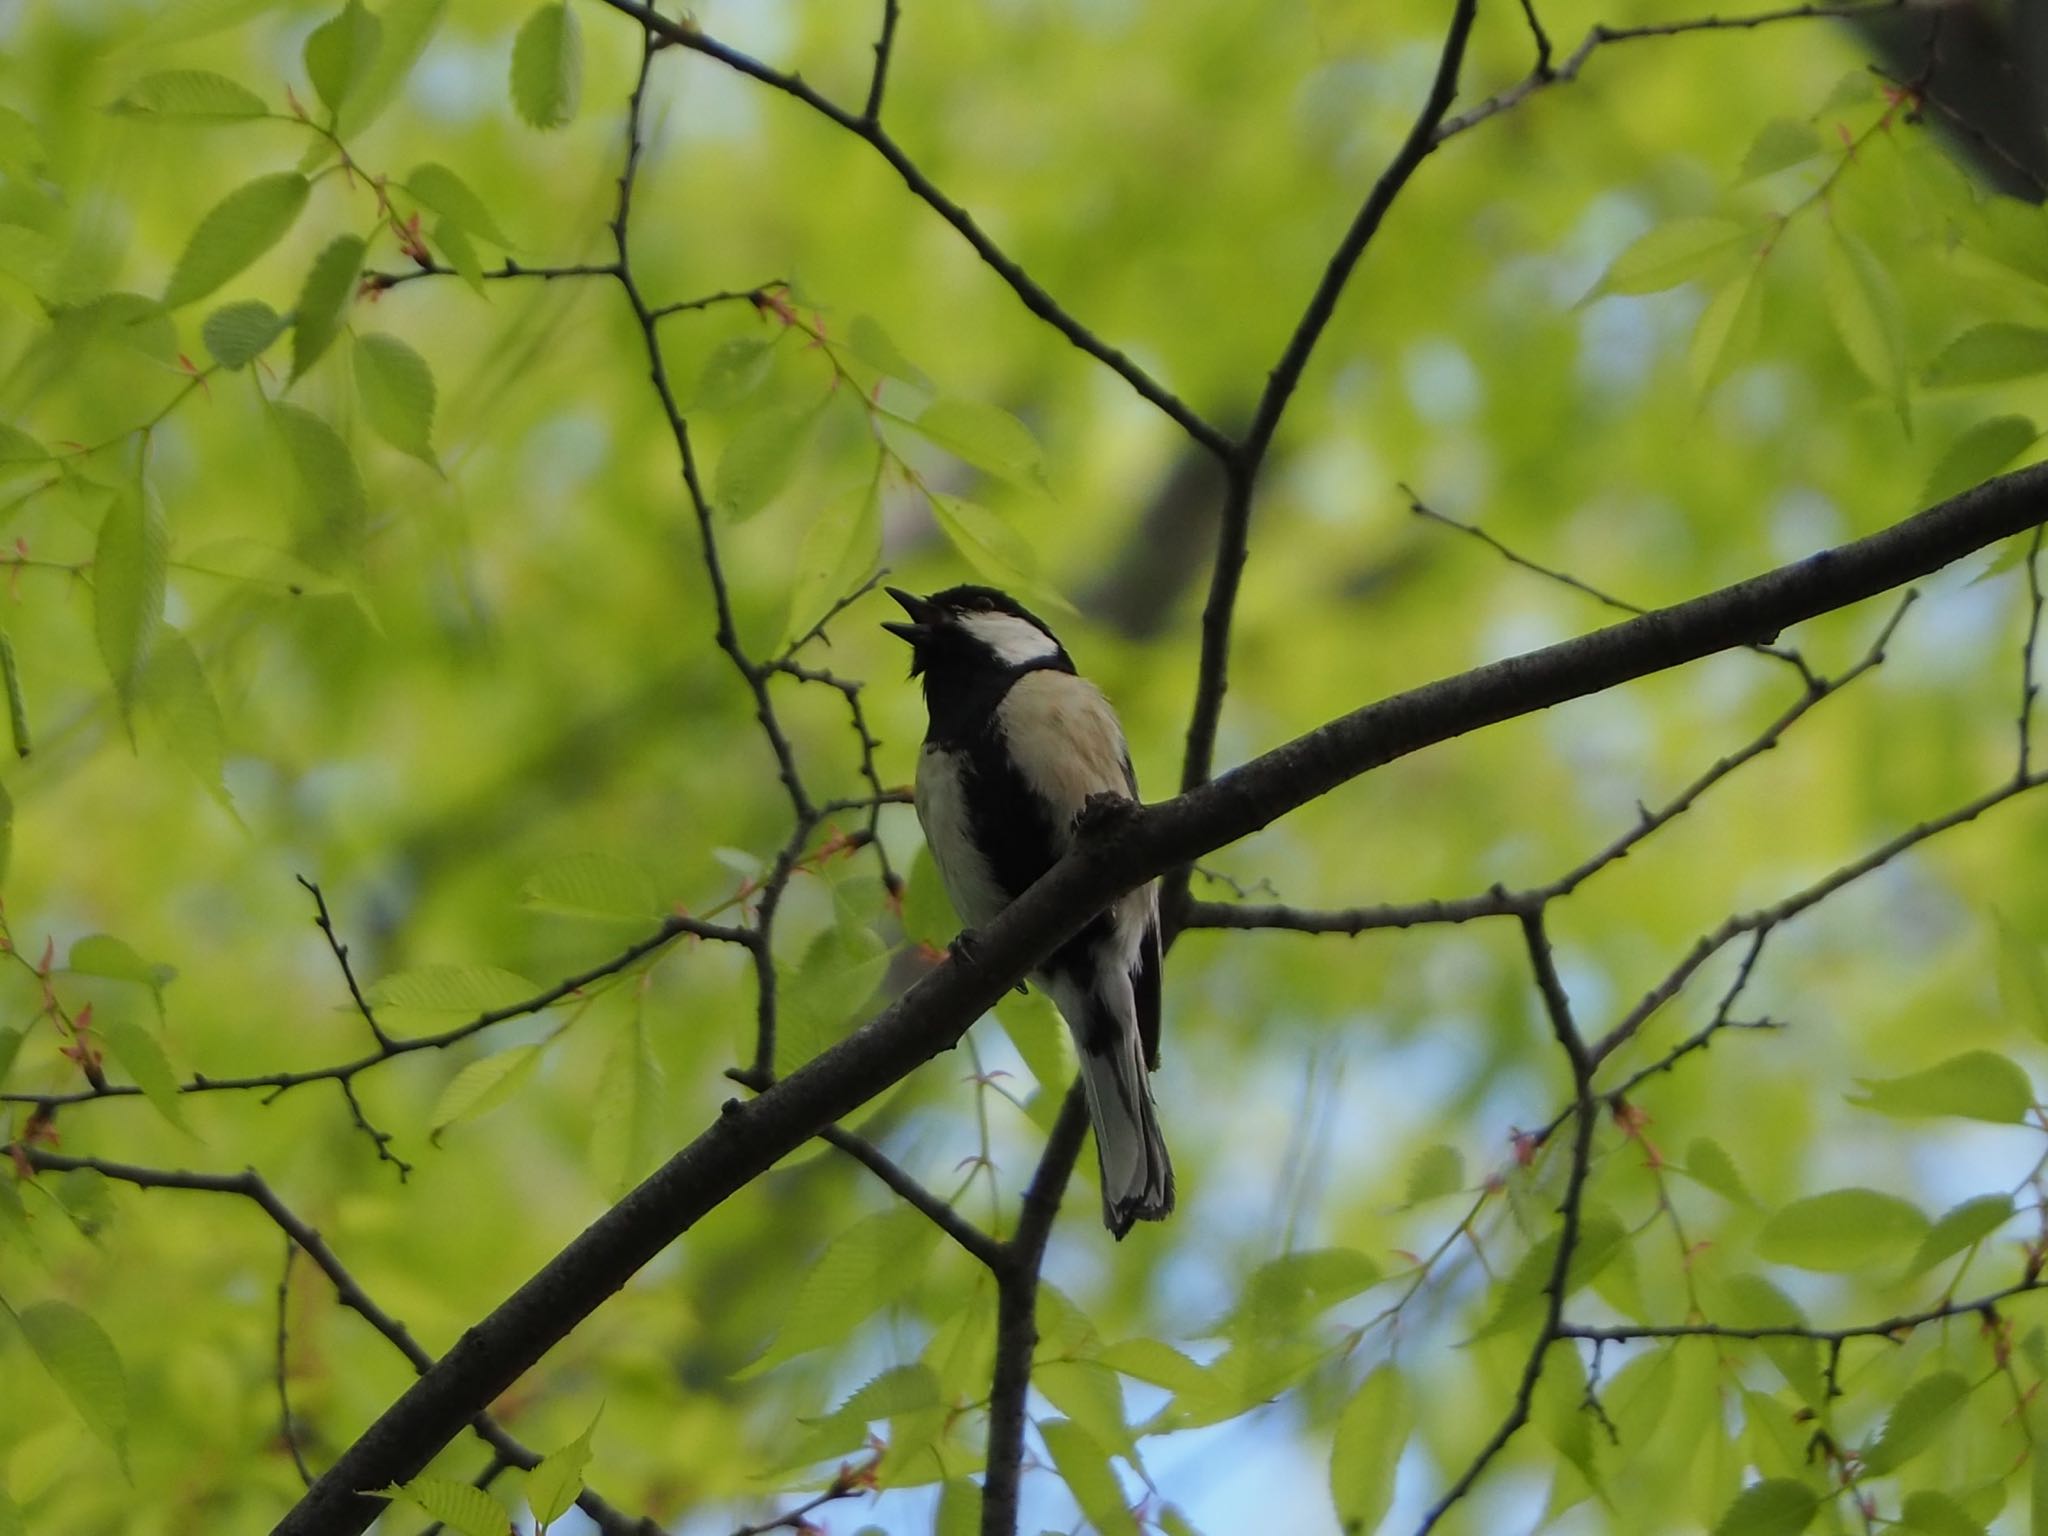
column 1014, row 641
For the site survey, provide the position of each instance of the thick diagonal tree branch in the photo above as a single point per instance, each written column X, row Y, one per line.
column 751, row 1137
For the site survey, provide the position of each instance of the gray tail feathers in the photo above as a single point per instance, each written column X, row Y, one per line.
column 1137, row 1176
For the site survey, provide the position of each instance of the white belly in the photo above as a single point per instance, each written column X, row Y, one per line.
column 942, row 809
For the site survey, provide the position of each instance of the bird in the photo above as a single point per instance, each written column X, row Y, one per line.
column 1018, row 744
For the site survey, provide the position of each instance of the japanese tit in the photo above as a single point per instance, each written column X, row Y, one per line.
column 1017, row 744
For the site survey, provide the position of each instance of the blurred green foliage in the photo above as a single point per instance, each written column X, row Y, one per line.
column 395, row 585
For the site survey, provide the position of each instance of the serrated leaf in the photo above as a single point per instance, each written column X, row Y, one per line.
column 1782, row 143
column 451, row 989
column 1920, row 1414
column 178, row 701
column 1601, row 1237
column 547, row 66
column 238, row 333
column 1287, row 1293
column 143, row 1059
column 928, row 916
column 551, row 1487
column 191, row 96
column 22, row 151
column 2012, row 233
column 1558, row 1408
column 1958, row 1227
column 1728, row 329
column 324, row 299
column 17, row 447
column 1936, row 1514
column 2022, row 964
column 1089, row 1394
column 594, row 885
column 83, row 1362
column 759, row 460
column 236, row 230
column 1991, row 354
column 1085, row 1468
column 1977, row 454
column 736, row 368
column 993, row 548
column 623, row 1121
column 1708, row 1164
column 1977, row 1085
column 867, row 341
column 866, row 1267
column 840, row 548
column 340, row 53
column 1149, row 1360
column 1754, row 1302
column 327, row 471
column 17, row 697
column 1841, row 1231
column 128, row 320
column 1775, row 1507
column 128, row 565
column 1864, row 304
column 397, row 391
column 459, row 1506
column 1675, row 252
column 483, row 1085
column 101, row 954
column 822, row 997
column 408, row 25
column 985, row 436
column 1372, row 1429
column 1436, row 1171
column 959, row 1508
column 440, row 190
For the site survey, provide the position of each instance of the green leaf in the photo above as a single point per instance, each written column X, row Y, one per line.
column 1728, row 329
column 1558, row 1409
column 190, row 96
column 483, row 1085
column 1601, row 1237
column 17, row 447
column 840, row 548
column 128, row 587
column 143, row 1059
column 1753, row 1302
column 324, row 300
column 1782, row 143
column 1085, row 1468
column 594, row 885
column 2037, row 1487
column 451, row 989
column 1977, row 1085
column 760, row 458
column 993, row 548
column 1436, row 1171
column 459, row 1506
column 986, row 436
column 82, row 1360
column 1842, row 1231
column 456, row 250
column 1864, row 304
column 1977, row 454
column 340, row 53
column 547, row 66
column 735, row 370
column 1937, row 1514
column 236, row 230
column 1920, row 1414
column 101, row 954
column 1287, row 1293
column 397, row 391
column 10, row 1047
column 928, row 916
column 2022, row 965
column 2012, row 233
column 327, row 471
column 11, row 1523
column 22, row 151
column 236, row 334
column 1775, row 1507
column 623, row 1116
column 1088, row 1393
column 551, row 1487
column 840, row 970
column 178, row 701
column 17, row 698
column 1708, row 1164
column 1149, row 1360
column 959, row 1508
column 1991, row 354
column 6, row 830
column 440, row 190
column 408, row 25
column 1372, row 1430
column 1960, row 1227
column 867, row 341
column 1674, row 253
column 867, row 1266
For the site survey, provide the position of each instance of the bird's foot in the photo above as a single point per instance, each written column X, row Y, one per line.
column 967, row 944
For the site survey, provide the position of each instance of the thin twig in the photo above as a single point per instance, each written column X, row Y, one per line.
column 2029, row 689
column 325, row 922
column 379, row 282
column 287, row 1428
column 884, row 46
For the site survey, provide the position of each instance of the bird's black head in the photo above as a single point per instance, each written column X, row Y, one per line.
column 964, row 631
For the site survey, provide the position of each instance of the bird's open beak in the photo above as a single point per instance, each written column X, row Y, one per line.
column 923, row 617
